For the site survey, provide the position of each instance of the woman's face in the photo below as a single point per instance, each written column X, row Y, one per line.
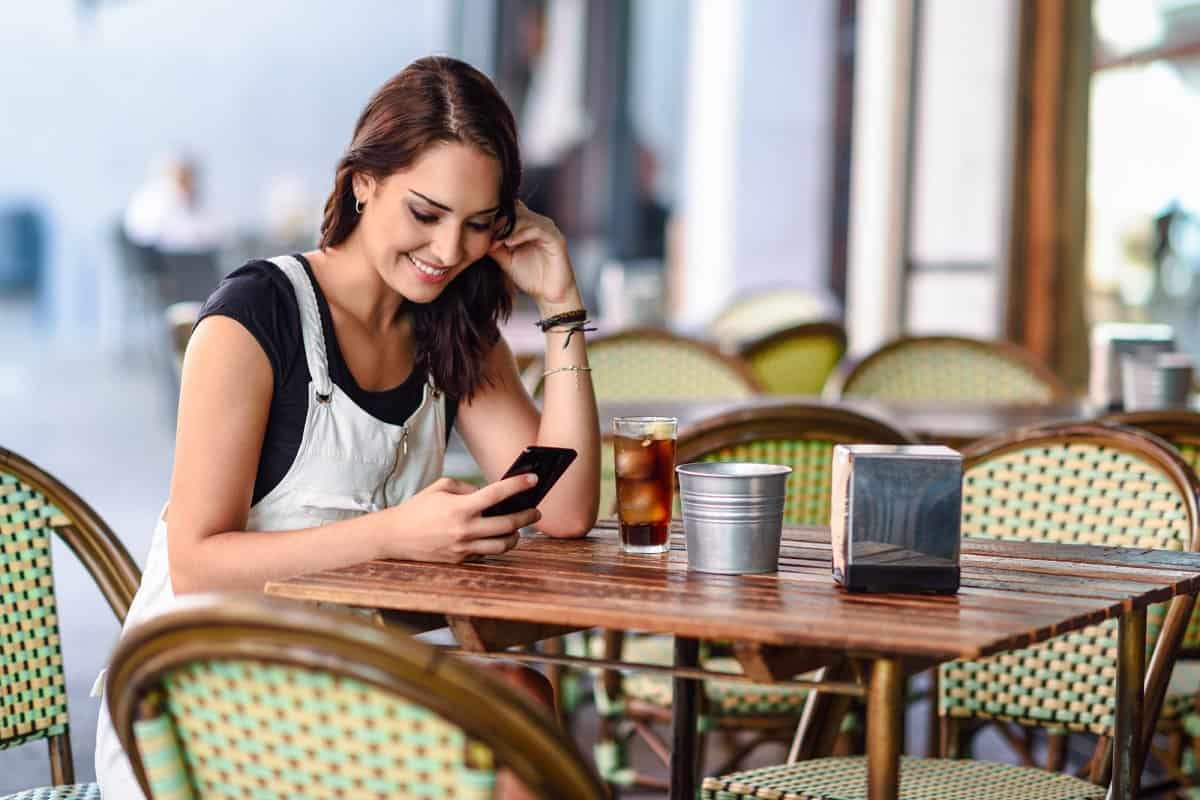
column 423, row 226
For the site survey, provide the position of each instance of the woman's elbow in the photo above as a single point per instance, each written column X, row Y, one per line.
column 568, row 526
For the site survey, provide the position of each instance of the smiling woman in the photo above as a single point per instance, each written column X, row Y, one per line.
column 319, row 389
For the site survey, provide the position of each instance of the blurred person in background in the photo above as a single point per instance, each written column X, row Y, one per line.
column 319, row 389
column 165, row 213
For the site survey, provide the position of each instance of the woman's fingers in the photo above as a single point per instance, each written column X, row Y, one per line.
column 494, row 545
column 502, row 490
column 484, row 527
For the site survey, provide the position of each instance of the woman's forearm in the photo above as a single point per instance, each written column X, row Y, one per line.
column 569, row 420
column 247, row 560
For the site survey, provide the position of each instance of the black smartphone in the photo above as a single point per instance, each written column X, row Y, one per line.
column 548, row 463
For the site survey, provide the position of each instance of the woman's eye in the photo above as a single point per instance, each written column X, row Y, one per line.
column 424, row 219
column 482, row 227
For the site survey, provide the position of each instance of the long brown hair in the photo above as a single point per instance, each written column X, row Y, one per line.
column 432, row 101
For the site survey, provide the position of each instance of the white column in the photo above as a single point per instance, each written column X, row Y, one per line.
column 709, row 200
column 878, row 194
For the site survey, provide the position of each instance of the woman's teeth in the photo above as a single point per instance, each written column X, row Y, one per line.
column 433, row 272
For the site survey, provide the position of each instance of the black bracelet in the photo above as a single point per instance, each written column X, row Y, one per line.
column 565, row 318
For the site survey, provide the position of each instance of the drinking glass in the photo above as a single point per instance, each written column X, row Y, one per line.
column 644, row 454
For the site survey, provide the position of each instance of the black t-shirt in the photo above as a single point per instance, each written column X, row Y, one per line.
column 261, row 298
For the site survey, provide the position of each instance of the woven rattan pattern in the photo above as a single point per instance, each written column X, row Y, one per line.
column 920, row 779
column 797, row 365
column 937, row 370
column 31, row 675
column 76, row 791
column 246, row 725
column 641, row 369
column 1078, row 493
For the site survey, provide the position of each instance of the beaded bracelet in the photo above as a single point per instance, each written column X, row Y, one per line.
column 565, row 318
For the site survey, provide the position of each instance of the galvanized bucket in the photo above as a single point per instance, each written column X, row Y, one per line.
column 732, row 515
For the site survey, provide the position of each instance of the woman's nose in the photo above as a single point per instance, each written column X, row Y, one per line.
column 447, row 246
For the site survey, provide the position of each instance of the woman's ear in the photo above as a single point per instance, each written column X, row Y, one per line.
column 363, row 185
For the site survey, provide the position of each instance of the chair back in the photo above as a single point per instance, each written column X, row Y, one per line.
column 653, row 364
column 230, row 695
column 797, row 360
column 950, row 368
column 1181, row 428
column 796, row 435
column 34, row 507
column 1070, row 484
column 767, row 310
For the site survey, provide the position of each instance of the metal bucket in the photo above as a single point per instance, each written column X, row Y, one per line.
column 732, row 515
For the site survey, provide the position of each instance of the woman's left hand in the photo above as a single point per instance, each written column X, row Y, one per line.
column 535, row 256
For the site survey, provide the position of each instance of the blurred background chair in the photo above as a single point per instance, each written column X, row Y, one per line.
column 801, row 437
column 230, row 694
column 34, row 506
column 764, row 311
column 1013, row 489
column 796, row 360
column 950, row 369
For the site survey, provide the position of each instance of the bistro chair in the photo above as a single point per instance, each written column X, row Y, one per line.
column 1180, row 718
column 949, row 369
column 767, row 310
column 1069, row 484
column 799, row 436
column 35, row 507
column 797, row 360
column 250, row 696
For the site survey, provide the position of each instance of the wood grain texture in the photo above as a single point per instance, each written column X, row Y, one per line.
column 1013, row 594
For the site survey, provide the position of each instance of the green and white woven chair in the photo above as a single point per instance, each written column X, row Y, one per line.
column 770, row 309
column 799, row 436
column 1082, row 484
column 949, row 369
column 35, row 507
column 796, row 360
column 1180, row 718
column 250, row 696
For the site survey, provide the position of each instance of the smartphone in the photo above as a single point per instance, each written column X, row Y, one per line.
column 548, row 463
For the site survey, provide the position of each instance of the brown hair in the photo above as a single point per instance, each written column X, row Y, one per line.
column 436, row 100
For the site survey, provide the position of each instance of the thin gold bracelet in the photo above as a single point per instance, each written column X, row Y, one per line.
column 572, row 368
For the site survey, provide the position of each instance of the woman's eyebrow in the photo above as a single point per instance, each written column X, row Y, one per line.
column 445, row 207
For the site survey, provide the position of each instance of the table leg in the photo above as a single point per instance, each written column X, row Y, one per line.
column 685, row 702
column 821, row 720
column 1131, row 667
column 885, row 705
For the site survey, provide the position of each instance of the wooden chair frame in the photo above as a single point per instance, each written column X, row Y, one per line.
column 760, row 423
column 103, row 555
column 1158, row 670
column 205, row 627
column 843, row 378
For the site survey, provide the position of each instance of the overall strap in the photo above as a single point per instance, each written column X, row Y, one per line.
column 310, row 323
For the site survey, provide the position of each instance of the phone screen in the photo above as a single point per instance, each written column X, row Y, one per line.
column 548, row 463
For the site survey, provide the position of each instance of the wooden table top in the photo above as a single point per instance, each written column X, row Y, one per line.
column 1013, row 594
column 954, row 423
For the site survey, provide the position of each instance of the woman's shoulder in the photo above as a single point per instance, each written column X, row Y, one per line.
column 260, row 297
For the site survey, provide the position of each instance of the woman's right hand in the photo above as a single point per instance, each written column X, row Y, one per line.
column 443, row 522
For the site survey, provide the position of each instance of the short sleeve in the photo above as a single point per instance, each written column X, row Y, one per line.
column 260, row 297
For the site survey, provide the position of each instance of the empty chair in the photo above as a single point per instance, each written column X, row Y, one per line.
column 248, row 696
column 950, row 369
column 34, row 508
column 796, row 360
column 1014, row 489
column 767, row 310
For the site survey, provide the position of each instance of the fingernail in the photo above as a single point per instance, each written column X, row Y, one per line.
column 531, row 479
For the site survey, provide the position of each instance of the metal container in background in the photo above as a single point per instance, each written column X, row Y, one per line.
column 732, row 515
column 1109, row 342
column 1156, row 381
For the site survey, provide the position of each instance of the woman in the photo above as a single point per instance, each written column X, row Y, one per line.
column 318, row 390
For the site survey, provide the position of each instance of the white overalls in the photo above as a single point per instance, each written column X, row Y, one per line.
column 349, row 463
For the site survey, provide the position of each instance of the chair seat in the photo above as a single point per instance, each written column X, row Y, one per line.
column 725, row 698
column 920, row 779
column 77, row 791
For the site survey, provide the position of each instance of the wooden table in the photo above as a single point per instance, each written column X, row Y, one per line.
column 954, row 424
column 1013, row 595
